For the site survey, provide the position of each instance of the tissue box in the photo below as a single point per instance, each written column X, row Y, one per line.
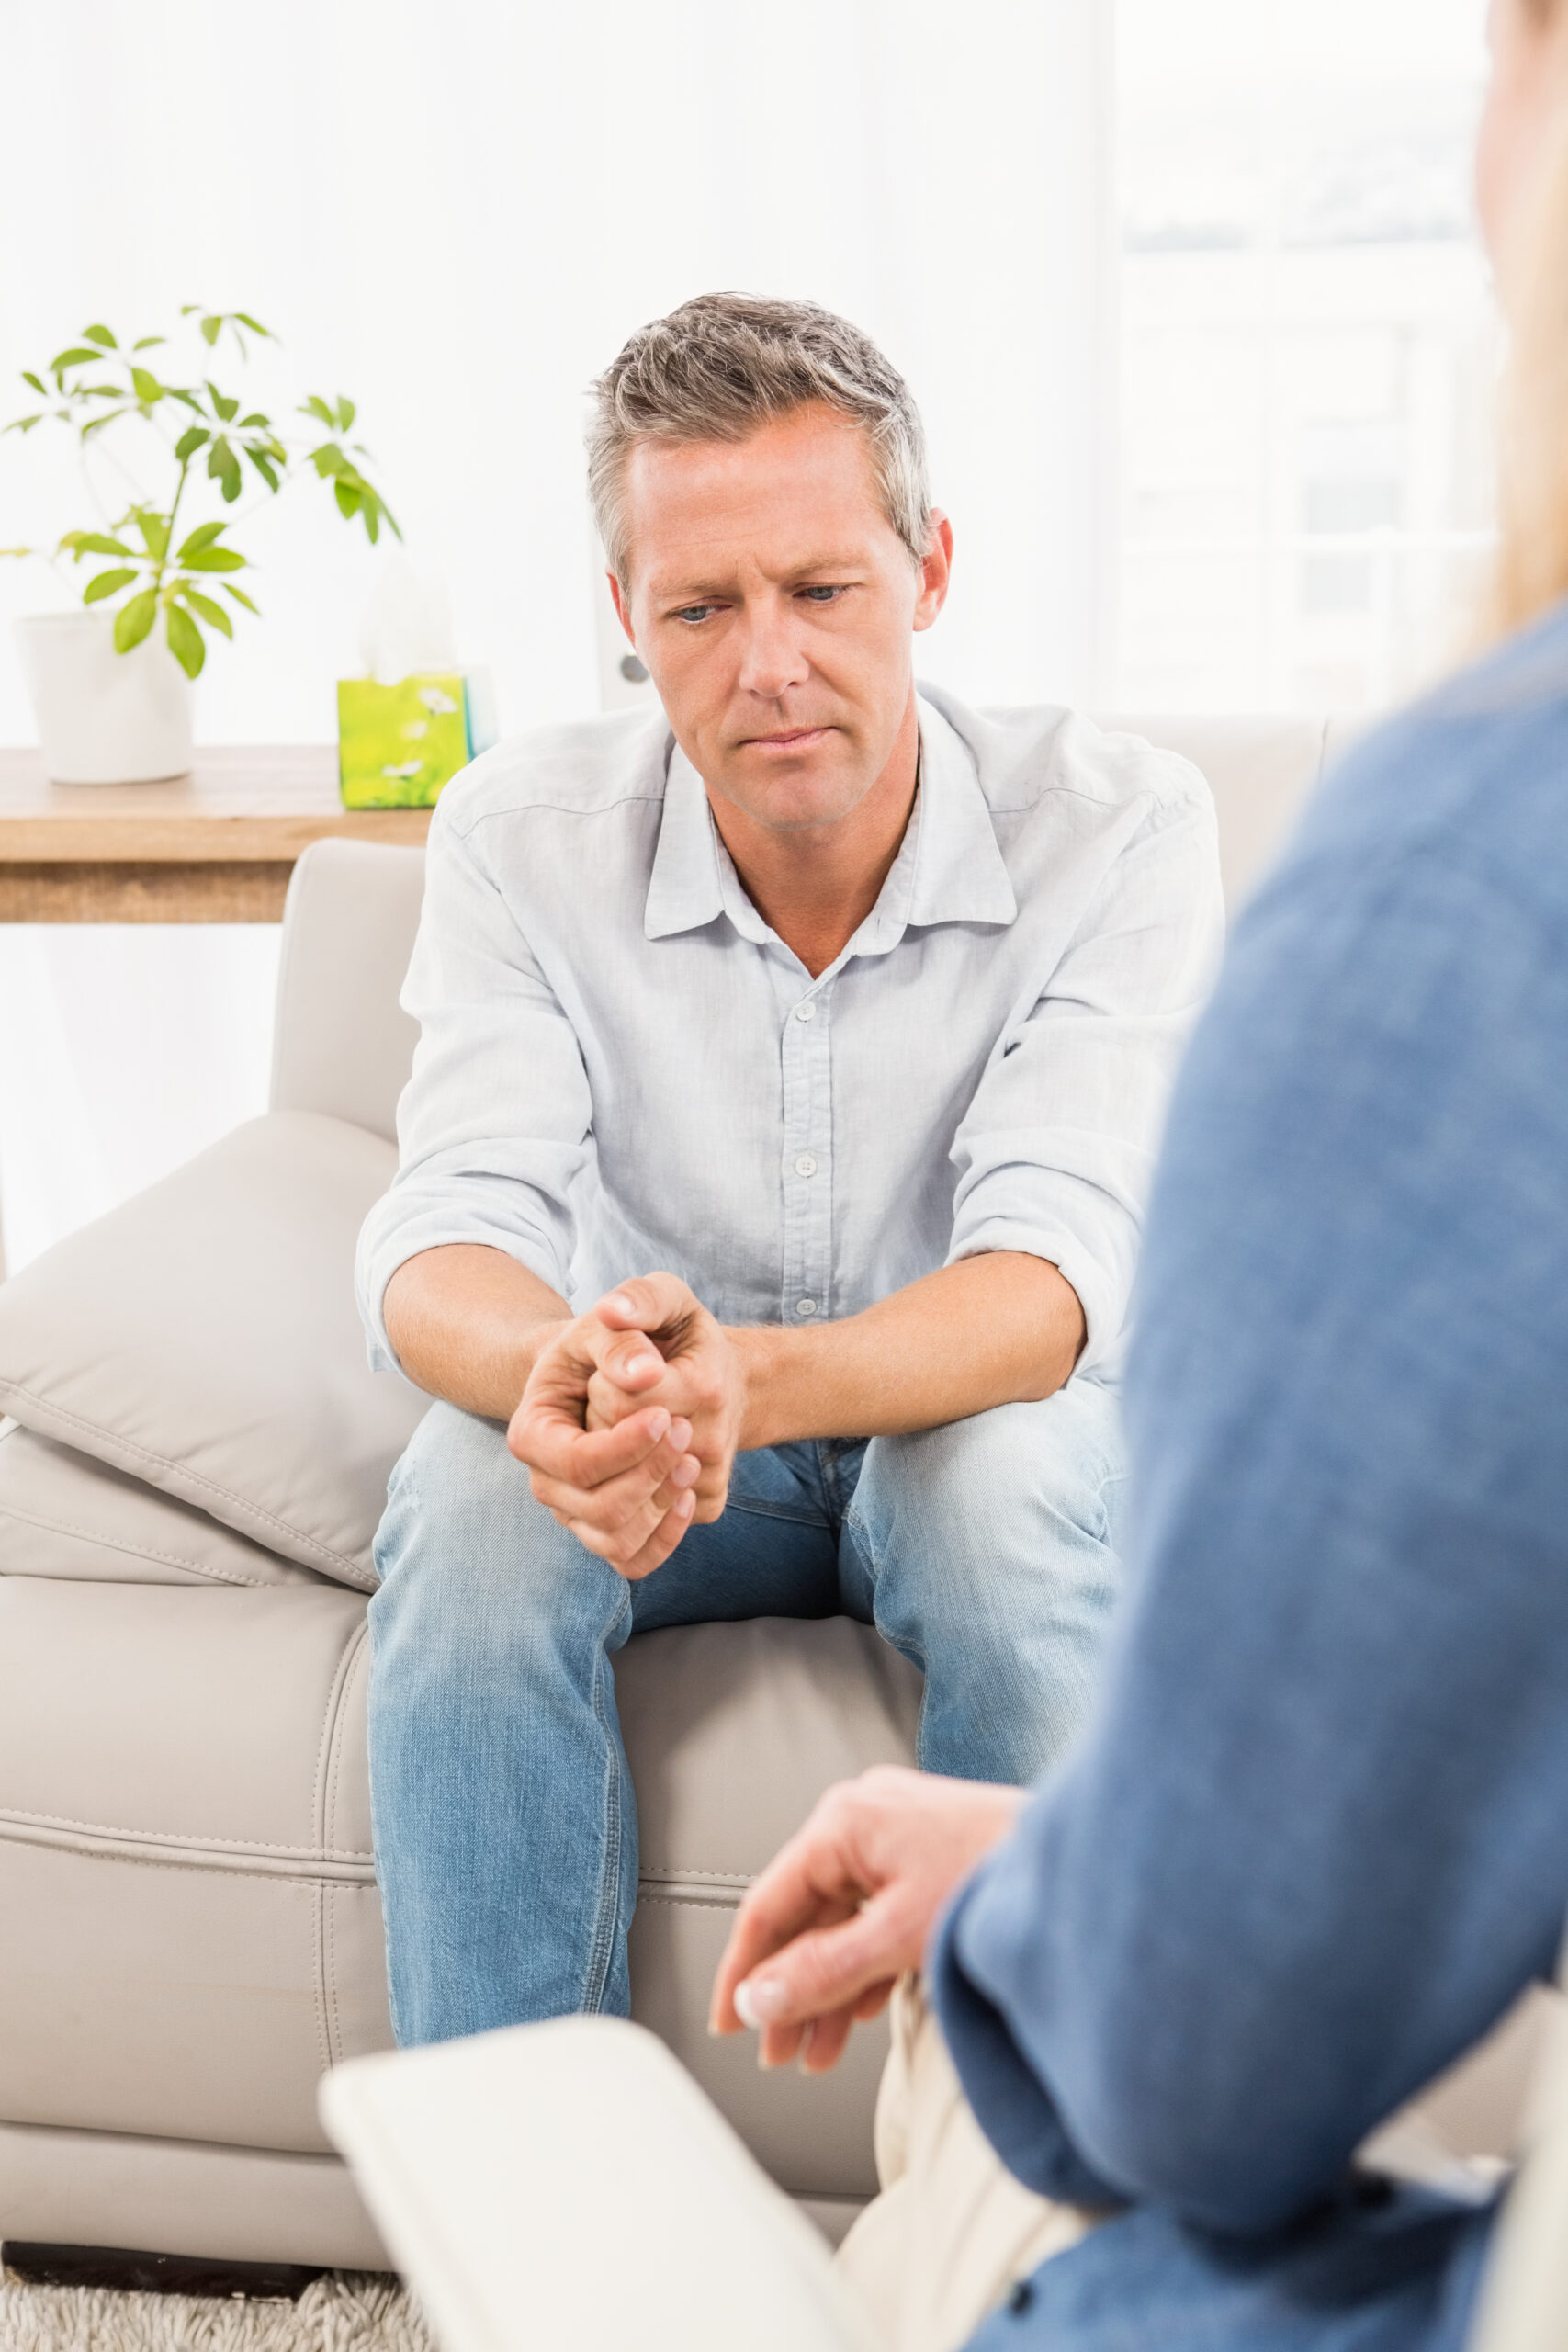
column 398, row 745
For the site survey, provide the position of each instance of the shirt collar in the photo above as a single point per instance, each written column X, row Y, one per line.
column 949, row 867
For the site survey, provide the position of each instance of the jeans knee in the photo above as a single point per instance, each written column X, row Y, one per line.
column 472, row 1565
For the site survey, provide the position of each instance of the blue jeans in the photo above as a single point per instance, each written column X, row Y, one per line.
column 505, row 1824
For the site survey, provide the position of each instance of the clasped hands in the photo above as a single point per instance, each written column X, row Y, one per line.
column 630, row 1421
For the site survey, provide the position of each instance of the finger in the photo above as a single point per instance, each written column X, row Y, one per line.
column 636, row 1499
column 829, row 1968
column 647, row 1303
column 556, row 1443
column 658, row 1546
column 812, row 1880
column 627, row 1359
column 825, row 2039
column 754, row 1942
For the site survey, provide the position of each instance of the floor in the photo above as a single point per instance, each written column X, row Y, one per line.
column 341, row 2313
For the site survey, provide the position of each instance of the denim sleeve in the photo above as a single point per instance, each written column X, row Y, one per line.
column 1056, row 1151
column 1317, row 1838
column 494, row 1124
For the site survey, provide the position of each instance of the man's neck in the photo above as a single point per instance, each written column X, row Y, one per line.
column 815, row 887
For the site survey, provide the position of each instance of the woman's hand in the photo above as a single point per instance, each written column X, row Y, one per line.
column 840, row 1914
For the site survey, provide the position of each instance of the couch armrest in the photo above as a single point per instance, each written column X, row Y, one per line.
column 343, row 1044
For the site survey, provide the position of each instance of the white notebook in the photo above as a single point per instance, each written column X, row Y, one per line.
column 568, row 2185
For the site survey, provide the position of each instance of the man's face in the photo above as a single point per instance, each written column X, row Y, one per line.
column 772, row 603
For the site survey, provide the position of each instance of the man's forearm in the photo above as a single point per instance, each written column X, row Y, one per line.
column 468, row 1323
column 997, row 1329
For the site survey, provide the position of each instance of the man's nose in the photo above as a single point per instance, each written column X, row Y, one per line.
column 773, row 655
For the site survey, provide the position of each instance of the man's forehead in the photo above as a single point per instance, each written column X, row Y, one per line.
column 806, row 492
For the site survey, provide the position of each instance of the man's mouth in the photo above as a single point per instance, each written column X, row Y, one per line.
column 788, row 739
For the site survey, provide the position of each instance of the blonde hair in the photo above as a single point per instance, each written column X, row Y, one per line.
column 1531, row 570
column 722, row 366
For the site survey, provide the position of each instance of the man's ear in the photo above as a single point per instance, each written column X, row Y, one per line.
column 935, row 571
column 617, row 598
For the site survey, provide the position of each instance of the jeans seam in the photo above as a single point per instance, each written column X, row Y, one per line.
column 601, row 1951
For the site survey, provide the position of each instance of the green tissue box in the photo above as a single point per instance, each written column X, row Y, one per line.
column 398, row 745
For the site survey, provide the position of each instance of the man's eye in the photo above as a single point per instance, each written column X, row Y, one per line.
column 822, row 595
column 694, row 613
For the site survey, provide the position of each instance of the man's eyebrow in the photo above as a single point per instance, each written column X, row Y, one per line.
column 697, row 591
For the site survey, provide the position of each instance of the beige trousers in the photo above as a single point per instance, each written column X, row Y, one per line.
column 951, row 2231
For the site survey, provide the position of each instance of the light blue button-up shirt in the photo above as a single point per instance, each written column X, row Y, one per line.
column 622, row 1068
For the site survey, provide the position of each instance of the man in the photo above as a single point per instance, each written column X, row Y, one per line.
column 790, row 1071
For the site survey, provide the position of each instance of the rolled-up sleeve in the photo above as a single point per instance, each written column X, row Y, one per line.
column 1056, row 1151
column 494, row 1124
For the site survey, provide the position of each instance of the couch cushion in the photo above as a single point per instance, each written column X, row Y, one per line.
column 189, row 1925
column 63, row 1514
column 204, row 1338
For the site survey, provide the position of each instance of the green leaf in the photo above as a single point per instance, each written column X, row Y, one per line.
column 155, row 530
column 5, row 551
column 105, row 416
column 318, row 408
column 179, row 392
column 190, row 441
column 202, row 536
column 145, row 342
column 36, row 382
column 329, row 459
column 347, row 499
column 81, row 543
column 226, row 408
column 23, row 424
column 148, row 388
column 213, row 613
column 133, row 621
column 346, row 412
column 185, row 641
column 256, row 418
column 76, row 357
column 254, row 325
column 213, row 559
column 107, row 584
column 101, row 335
column 212, row 328
column 229, row 590
column 265, row 466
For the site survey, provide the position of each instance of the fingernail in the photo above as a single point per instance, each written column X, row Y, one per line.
column 687, row 1473
column 640, row 1364
column 658, row 1424
column 681, row 1435
column 760, row 2001
column 619, row 1304
column 685, row 1504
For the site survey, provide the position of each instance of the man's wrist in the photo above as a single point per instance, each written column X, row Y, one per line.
column 774, row 1375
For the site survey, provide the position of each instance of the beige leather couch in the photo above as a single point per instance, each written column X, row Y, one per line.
column 189, row 1482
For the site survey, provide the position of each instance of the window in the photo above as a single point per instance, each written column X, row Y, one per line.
column 1308, row 352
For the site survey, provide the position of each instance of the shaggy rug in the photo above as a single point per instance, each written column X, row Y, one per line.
column 342, row 2313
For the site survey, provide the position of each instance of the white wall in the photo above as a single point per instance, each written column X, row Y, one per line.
column 456, row 213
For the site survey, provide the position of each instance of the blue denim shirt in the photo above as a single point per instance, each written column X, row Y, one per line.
column 1317, row 1838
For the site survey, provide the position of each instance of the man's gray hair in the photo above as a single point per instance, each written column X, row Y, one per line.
column 722, row 366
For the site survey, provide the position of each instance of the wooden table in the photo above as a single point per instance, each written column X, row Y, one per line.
column 215, row 846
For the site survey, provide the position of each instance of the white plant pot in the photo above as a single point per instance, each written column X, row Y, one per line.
column 103, row 717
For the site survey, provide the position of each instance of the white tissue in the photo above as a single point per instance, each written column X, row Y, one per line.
column 407, row 625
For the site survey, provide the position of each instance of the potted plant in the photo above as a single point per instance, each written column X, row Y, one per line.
column 111, row 683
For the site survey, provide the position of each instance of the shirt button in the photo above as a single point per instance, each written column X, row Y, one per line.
column 807, row 1012
column 805, row 1165
column 806, row 1307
